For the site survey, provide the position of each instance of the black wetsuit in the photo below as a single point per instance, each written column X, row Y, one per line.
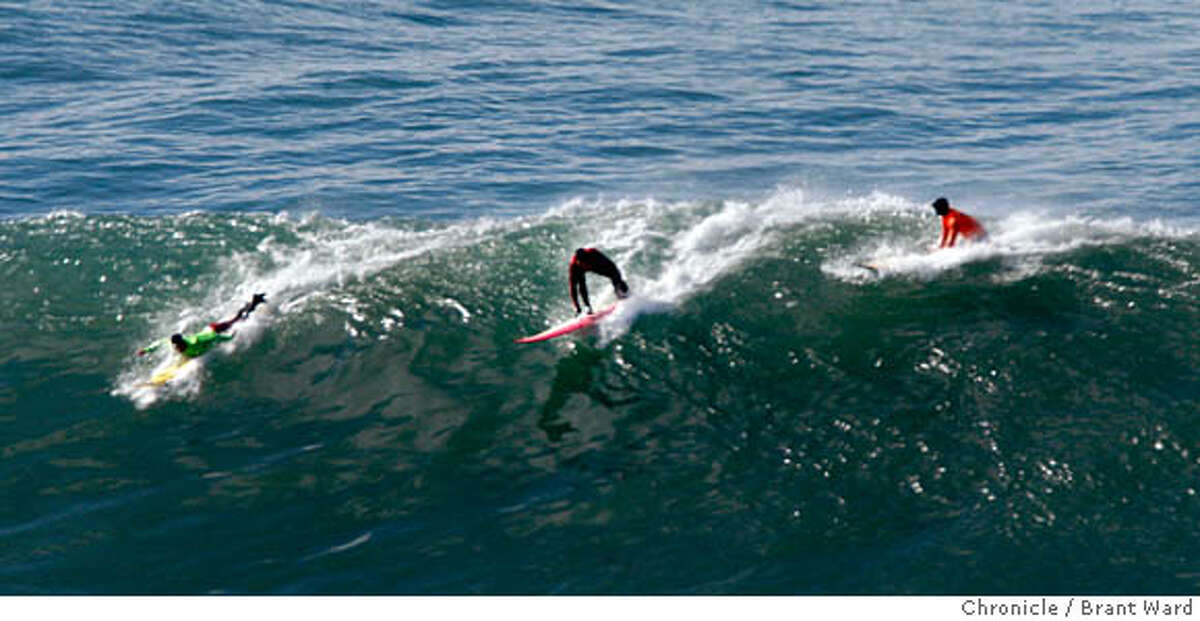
column 591, row 260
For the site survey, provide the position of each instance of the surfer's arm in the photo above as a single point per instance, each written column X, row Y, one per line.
column 947, row 233
column 574, row 295
column 583, row 293
column 151, row 347
column 578, row 287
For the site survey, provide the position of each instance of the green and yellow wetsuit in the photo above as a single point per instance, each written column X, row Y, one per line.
column 198, row 344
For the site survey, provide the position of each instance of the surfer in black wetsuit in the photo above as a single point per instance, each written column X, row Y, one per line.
column 591, row 260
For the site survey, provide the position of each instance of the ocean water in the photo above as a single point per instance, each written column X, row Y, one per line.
column 406, row 180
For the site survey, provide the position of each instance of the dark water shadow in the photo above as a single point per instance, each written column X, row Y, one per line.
column 573, row 375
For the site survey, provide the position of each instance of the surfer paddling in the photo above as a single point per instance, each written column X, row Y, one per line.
column 199, row 343
column 591, row 260
column 956, row 224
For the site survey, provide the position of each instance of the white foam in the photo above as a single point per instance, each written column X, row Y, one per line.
column 133, row 382
column 457, row 306
column 329, row 255
column 670, row 252
column 1022, row 240
column 621, row 320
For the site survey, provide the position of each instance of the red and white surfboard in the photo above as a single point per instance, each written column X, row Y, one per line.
column 570, row 326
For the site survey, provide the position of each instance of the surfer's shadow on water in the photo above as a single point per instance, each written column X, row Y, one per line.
column 580, row 373
column 572, row 376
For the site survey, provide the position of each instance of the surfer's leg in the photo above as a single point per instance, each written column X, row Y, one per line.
column 242, row 314
column 221, row 326
column 245, row 311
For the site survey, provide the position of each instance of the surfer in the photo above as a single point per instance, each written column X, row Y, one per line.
column 199, row 343
column 591, row 260
column 956, row 223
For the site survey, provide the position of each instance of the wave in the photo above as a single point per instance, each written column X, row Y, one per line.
column 507, row 276
column 672, row 253
column 990, row 393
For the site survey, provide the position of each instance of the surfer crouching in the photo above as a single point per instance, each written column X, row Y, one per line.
column 956, row 224
column 199, row 343
column 591, row 260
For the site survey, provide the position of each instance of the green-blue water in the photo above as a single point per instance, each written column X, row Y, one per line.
column 405, row 182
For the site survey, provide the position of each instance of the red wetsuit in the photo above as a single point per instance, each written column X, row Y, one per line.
column 956, row 223
column 591, row 260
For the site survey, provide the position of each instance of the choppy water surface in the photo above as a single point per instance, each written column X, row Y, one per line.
column 406, row 181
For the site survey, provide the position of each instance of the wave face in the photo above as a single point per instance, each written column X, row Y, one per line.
column 764, row 411
column 405, row 182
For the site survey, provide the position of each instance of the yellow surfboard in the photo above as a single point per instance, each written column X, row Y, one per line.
column 162, row 377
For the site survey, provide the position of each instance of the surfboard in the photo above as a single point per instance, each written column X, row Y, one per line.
column 568, row 327
column 162, row 377
column 874, row 268
column 878, row 267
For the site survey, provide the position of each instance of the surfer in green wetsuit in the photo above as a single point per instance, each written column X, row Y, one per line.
column 199, row 343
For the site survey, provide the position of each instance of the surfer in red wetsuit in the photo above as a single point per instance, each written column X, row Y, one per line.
column 591, row 260
column 956, row 224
